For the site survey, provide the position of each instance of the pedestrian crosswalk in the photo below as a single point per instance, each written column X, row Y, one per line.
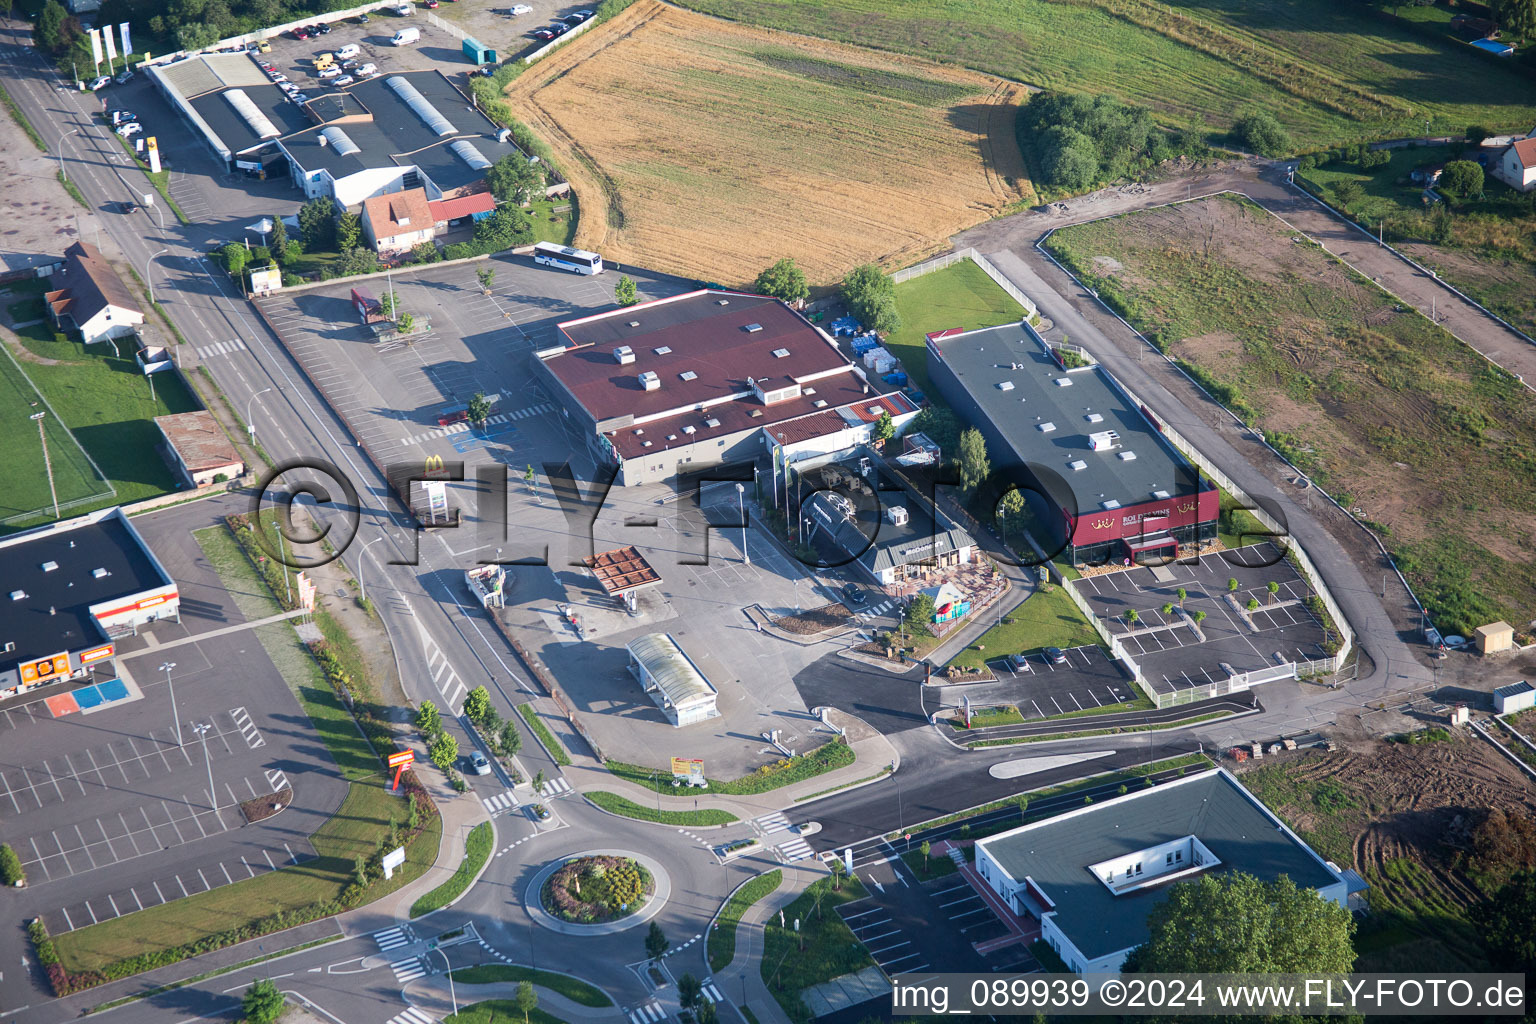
column 411, row 1015
column 875, row 611
column 503, row 801
column 711, row 993
column 253, row 737
column 768, row 824
column 392, row 938
column 220, row 348
column 554, row 788
column 794, row 849
column 492, row 421
column 650, row 1013
column 408, row 969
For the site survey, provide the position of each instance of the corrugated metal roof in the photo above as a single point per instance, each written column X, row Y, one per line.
column 681, row 682
column 259, row 123
column 1514, row 689
column 423, row 108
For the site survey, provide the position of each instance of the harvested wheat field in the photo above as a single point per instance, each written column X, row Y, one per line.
column 716, row 148
column 1435, row 824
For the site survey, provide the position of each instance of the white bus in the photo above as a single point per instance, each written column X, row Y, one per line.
column 579, row 260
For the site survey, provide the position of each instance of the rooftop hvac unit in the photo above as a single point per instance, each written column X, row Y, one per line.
column 1077, row 464
column 504, row 135
column 1127, row 456
column 623, row 355
column 649, row 381
column 1094, row 417
column 1103, row 440
column 1005, row 385
column 898, row 515
column 1045, row 428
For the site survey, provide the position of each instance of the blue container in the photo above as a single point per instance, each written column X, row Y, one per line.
column 899, row 378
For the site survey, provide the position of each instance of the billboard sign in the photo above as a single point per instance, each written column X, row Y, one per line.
column 393, row 859
column 401, row 758
column 45, row 668
column 689, row 769
column 154, row 155
column 437, row 498
column 106, row 38
column 306, row 591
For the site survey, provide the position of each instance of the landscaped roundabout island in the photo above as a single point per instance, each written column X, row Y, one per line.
column 597, row 889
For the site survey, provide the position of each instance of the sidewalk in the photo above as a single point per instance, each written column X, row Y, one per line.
column 745, row 968
column 872, row 752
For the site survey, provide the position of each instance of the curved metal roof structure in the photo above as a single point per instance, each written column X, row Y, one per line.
column 681, row 682
column 259, row 122
column 467, row 152
column 422, row 107
column 339, row 141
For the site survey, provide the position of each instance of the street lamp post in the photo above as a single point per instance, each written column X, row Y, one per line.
column 66, row 135
column 149, row 269
column 47, row 462
column 448, row 969
column 250, row 424
column 201, row 728
column 166, row 667
column 362, row 563
column 741, row 504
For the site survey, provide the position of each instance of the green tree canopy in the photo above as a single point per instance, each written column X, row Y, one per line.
column 942, row 428
column 10, row 866
column 479, row 411
column 444, row 751
column 656, row 942
column 428, row 721
column 358, row 260
column 920, row 612
column 515, row 179
column 477, row 703
column 1462, row 179
column 51, row 34
column 235, row 258
column 688, row 991
column 349, row 231
column 1348, row 193
column 527, row 999
column 262, row 1002
column 1261, row 132
column 1234, row 923
column 784, row 280
column 317, row 223
column 871, row 298
column 972, row 460
column 624, row 292
column 425, row 252
column 1517, row 17
column 884, row 428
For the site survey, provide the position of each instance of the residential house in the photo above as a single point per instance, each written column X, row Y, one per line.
column 1517, row 166
column 398, row 221
column 90, row 298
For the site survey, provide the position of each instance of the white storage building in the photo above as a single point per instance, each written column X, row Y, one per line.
column 672, row 680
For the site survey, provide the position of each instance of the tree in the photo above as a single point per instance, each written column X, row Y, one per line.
column 1011, row 509
column 838, row 870
column 1462, row 179
column 1182, row 595
column 624, row 293
column 444, row 751
column 289, row 253
column 1476, row 133
column 516, row 179
column 235, row 258
column 479, row 412
column 406, row 323
column 871, row 298
column 262, row 1002
column 425, row 252
column 920, row 613
column 941, row 427
column 511, row 739
column 1504, row 922
column 527, row 999
column 507, row 227
column 349, row 231
column 1348, row 193
column 706, row 1013
column 1023, row 804
column 428, row 721
column 487, row 277
column 925, row 849
column 1167, row 608
column 884, row 429
column 1517, row 17
column 359, row 869
column 358, row 260
column 1253, row 604
column 1132, row 615
column 784, row 280
column 972, row 460
column 1273, row 588
column 317, row 223
column 389, row 305
column 279, row 239
column 477, row 703
column 688, row 990
column 1232, row 584
column 656, row 942
column 1234, row 923
column 50, row 33
column 1199, row 617
column 10, row 866
column 1262, row 133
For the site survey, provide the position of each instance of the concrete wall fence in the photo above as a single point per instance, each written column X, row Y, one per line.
column 949, row 259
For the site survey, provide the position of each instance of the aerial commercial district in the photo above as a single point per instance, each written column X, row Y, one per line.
column 679, row 513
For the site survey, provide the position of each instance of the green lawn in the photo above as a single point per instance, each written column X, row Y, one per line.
column 783, row 772
column 961, row 295
column 1005, row 714
column 23, row 478
column 477, row 850
column 722, row 940
column 1040, row 620
column 499, row 1011
column 830, row 948
column 545, row 737
column 1331, row 72
column 574, row 989
column 616, row 804
column 550, row 226
column 1388, row 192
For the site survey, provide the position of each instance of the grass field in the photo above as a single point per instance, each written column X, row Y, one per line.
column 540, row 730
column 1040, row 620
column 961, row 295
column 615, row 804
column 824, row 948
column 477, row 850
column 710, row 150
column 1331, row 72
column 500, row 1011
column 1386, row 411
column 722, row 938
column 573, row 989
column 786, row 771
column 106, row 404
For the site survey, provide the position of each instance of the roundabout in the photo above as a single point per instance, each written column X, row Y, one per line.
column 597, row 892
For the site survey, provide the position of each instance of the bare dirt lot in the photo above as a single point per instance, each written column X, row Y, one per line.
column 1411, row 818
column 1416, row 433
column 716, row 148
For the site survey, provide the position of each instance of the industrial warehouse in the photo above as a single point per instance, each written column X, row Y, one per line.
column 708, row 378
column 1117, row 489
column 72, row 589
column 385, row 134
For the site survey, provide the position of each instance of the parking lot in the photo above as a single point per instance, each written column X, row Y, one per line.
column 1174, row 651
column 110, row 812
column 1088, row 678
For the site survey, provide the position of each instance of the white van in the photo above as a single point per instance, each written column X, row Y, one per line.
column 404, row 10
column 407, row 35
column 349, row 51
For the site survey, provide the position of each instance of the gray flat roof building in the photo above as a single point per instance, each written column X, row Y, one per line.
column 1093, row 875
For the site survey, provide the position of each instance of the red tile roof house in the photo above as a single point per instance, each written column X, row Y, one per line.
column 707, row 378
column 89, row 297
column 1517, row 166
column 398, row 221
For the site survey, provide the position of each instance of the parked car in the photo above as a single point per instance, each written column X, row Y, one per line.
column 349, row 51
column 477, row 764
column 344, row 80
column 1019, row 663
column 1055, row 655
column 323, row 29
column 403, row 10
column 854, row 594
column 349, row 65
column 300, row 98
column 538, row 33
column 262, row 46
column 368, row 69
column 279, row 77
column 362, row 19
column 123, row 116
column 299, row 32
column 329, row 72
column 432, row 5
column 131, row 128
column 98, row 84
column 518, row 9
column 576, row 17
column 559, row 28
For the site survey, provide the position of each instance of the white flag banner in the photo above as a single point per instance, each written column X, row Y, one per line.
column 106, row 36
column 96, row 46
column 127, row 47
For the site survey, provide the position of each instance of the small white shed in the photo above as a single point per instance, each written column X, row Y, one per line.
column 1514, row 697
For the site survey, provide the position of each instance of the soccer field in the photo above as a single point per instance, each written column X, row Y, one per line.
column 23, row 480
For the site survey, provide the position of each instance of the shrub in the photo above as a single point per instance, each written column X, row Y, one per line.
column 10, row 866
column 1462, row 179
column 1262, row 133
column 871, row 297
